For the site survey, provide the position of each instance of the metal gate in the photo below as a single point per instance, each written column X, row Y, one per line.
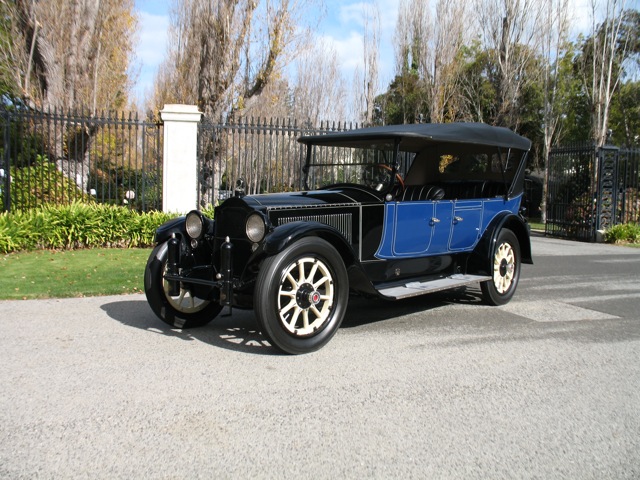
column 591, row 189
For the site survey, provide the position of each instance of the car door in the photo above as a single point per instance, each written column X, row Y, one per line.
column 465, row 224
column 416, row 228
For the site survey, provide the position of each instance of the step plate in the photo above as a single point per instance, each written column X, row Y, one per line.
column 413, row 289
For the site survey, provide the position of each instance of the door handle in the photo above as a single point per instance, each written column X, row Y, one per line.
column 457, row 219
column 433, row 221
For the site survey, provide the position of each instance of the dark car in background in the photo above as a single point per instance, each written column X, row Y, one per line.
column 391, row 212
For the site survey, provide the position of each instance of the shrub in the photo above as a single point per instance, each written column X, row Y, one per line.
column 16, row 232
column 623, row 233
column 42, row 183
column 78, row 226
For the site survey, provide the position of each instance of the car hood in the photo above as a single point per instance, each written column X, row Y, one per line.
column 311, row 198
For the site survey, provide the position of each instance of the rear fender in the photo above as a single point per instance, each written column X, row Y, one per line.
column 481, row 260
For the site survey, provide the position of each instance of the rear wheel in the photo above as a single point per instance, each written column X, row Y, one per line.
column 301, row 296
column 505, row 270
column 180, row 311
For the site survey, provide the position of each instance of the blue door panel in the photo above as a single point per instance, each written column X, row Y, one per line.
column 442, row 227
column 422, row 228
column 465, row 225
column 416, row 229
column 413, row 229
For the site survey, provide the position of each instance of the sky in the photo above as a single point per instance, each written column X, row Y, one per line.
column 342, row 26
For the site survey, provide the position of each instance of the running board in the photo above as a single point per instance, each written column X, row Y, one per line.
column 413, row 289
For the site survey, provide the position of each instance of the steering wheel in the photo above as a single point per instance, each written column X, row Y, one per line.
column 378, row 176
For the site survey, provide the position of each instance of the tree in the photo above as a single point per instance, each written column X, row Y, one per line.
column 428, row 44
column 71, row 54
column 403, row 101
column 319, row 92
column 625, row 115
column 477, row 91
column 371, row 59
column 9, row 60
column 223, row 54
column 509, row 33
column 406, row 98
column 603, row 58
column 441, row 64
column 554, row 43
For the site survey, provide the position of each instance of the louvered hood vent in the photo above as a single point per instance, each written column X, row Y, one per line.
column 340, row 221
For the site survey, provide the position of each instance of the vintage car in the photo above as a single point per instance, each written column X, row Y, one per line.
column 391, row 212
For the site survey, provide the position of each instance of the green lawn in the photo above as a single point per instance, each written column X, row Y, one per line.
column 536, row 226
column 72, row 273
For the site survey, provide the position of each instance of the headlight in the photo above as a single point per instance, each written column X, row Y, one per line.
column 255, row 227
column 194, row 224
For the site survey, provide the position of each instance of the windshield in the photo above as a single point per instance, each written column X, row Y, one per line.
column 376, row 167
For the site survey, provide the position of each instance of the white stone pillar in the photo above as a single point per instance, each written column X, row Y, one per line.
column 180, row 158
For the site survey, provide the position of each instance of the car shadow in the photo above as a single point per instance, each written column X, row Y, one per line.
column 368, row 310
column 240, row 332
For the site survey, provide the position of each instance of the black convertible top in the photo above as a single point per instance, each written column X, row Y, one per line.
column 415, row 137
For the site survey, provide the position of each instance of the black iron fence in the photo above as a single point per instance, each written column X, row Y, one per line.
column 57, row 157
column 591, row 189
column 61, row 157
column 262, row 152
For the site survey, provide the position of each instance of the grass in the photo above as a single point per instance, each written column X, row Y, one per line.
column 72, row 273
column 80, row 273
column 536, row 225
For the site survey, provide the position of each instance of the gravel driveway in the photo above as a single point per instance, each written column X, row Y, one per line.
column 432, row 387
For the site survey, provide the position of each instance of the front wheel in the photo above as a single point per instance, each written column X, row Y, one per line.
column 180, row 311
column 506, row 270
column 301, row 296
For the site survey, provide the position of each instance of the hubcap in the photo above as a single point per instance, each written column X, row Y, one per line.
column 305, row 296
column 504, row 265
column 184, row 302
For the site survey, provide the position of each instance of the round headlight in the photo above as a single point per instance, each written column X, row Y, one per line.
column 255, row 228
column 194, row 224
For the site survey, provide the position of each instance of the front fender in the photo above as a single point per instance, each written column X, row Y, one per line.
column 177, row 226
column 168, row 228
column 287, row 234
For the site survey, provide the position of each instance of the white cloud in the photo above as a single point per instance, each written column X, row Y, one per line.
column 151, row 50
column 345, row 32
column 153, row 38
column 348, row 49
column 353, row 14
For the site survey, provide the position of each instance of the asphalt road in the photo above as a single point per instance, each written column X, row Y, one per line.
column 434, row 387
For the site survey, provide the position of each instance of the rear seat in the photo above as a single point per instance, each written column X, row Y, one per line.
column 472, row 189
column 451, row 191
column 420, row 192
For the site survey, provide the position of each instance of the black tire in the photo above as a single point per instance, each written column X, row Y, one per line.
column 301, row 296
column 182, row 311
column 506, row 270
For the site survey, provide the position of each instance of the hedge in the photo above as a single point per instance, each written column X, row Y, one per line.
column 78, row 225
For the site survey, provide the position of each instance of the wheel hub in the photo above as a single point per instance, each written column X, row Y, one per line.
column 307, row 296
column 504, row 266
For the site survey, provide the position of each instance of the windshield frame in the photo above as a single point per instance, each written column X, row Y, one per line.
column 392, row 163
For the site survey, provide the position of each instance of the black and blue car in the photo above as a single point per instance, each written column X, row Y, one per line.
column 393, row 212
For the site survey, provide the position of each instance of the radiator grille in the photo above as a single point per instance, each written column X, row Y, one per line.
column 341, row 222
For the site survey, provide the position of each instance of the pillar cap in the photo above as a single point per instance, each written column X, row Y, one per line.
column 180, row 113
